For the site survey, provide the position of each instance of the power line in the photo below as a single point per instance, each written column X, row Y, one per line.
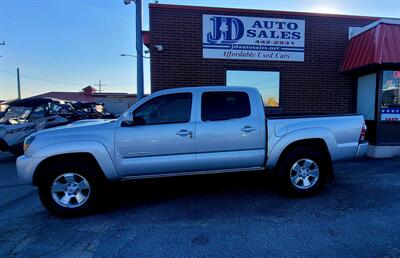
column 44, row 80
column 69, row 83
column 120, row 84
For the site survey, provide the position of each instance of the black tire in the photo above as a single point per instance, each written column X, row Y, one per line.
column 79, row 170
column 302, row 156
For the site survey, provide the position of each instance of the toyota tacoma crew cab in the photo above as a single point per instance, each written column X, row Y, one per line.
column 186, row 131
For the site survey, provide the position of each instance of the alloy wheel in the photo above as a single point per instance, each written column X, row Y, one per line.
column 304, row 174
column 70, row 190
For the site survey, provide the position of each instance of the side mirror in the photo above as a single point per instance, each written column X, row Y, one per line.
column 128, row 119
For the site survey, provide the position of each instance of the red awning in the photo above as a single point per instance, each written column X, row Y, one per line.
column 378, row 44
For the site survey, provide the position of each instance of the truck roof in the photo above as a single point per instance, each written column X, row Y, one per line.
column 211, row 88
column 30, row 102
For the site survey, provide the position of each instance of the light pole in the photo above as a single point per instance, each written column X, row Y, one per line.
column 139, row 48
column 132, row 55
column 128, row 55
column 18, row 84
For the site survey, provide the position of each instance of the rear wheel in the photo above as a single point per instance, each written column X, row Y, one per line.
column 302, row 171
column 69, row 190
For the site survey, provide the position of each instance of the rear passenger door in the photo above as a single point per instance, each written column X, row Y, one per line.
column 228, row 131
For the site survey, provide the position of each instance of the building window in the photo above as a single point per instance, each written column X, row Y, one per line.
column 390, row 96
column 266, row 82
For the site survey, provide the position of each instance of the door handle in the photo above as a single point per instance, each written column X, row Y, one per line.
column 248, row 129
column 184, row 133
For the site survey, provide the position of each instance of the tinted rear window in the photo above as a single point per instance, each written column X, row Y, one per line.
column 224, row 105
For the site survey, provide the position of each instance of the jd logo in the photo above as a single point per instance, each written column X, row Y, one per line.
column 225, row 30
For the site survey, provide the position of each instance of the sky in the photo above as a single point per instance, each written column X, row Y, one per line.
column 65, row 45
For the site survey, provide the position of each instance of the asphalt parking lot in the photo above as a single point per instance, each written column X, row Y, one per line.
column 233, row 215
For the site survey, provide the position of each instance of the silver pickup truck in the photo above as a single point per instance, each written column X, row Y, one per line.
column 186, row 131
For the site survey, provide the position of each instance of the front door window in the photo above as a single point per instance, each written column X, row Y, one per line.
column 166, row 109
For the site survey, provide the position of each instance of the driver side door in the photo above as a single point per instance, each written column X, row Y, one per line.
column 161, row 138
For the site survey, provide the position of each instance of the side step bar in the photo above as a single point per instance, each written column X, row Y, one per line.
column 204, row 172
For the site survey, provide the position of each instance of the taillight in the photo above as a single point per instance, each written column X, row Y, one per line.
column 363, row 133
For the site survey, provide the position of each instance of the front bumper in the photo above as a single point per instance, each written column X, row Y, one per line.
column 362, row 149
column 26, row 167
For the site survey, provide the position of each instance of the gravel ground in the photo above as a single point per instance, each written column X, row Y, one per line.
column 231, row 215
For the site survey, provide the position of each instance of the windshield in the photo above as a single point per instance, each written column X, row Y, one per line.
column 15, row 112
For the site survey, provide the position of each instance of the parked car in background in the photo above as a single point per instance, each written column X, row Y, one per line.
column 2, row 105
column 3, row 108
column 26, row 116
column 95, row 110
column 186, row 131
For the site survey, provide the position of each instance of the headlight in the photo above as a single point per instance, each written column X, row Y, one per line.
column 28, row 141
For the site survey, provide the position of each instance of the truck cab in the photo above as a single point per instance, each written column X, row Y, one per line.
column 188, row 130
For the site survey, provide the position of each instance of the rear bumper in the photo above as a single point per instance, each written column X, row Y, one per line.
column 362, row 149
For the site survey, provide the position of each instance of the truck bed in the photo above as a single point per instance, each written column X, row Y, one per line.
column 305, row 115
column 341, row 132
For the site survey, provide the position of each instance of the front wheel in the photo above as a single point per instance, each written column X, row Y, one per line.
column 68, row 190
column 302, row 171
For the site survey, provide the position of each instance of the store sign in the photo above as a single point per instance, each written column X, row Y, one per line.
column 253, row 38
column 390, row 114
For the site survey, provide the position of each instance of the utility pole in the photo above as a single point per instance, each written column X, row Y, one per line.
column 2, row 44
column 18, row 84
column 99, row 85
column 139, row 48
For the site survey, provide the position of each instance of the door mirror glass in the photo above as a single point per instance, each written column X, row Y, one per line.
column 128, row 119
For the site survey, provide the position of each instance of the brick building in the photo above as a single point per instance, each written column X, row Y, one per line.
column 298, row 60
column 179, row 30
